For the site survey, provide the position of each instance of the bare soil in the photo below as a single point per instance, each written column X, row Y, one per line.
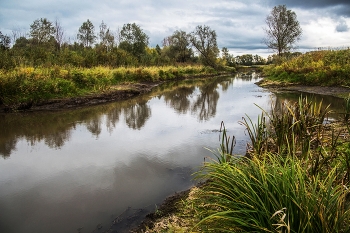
column 337, row 91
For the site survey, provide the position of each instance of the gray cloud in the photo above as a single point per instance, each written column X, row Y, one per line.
column 335, row 7
column 342, row 26
column 238, row 24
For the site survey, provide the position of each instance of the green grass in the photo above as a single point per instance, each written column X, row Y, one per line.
column 273, row 194
column 31, row 85
column 328, row 68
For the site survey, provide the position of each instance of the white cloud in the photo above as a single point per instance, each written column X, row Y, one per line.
column 320, row 33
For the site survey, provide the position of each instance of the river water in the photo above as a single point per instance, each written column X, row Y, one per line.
column 80, row 170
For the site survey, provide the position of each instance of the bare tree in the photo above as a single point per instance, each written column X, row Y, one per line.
column 59, row 32
column 17, row 33
column 283, row 29
column 106, row 36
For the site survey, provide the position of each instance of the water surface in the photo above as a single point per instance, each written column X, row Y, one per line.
column 79, row 170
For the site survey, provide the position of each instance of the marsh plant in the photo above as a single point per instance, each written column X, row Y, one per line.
column 295, row 178
column 273, row 194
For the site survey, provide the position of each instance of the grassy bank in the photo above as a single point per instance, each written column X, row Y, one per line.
column 295, row 178
column 326, row 68
column 25, row 85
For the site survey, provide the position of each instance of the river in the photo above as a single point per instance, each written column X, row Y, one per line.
column 80, row 170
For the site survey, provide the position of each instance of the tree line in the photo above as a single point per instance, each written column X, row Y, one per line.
column 45, row 45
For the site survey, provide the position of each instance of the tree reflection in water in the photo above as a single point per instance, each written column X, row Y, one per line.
column 199, row 97
column 205, row 104
column 137, row 115
column 179, row 99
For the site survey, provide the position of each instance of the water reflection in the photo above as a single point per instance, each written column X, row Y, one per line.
column 199, row 97
column 336, row 104
column 206, row 102
column 179, row 98
column 137, row 115
column 55, row 128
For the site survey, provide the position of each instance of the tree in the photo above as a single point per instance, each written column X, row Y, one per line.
column 4, row 41
column 59, row 32
column 178, row 44
column 283, row 29
column 106, row 37
column 133, row 40
column 41, row 30
column 86, row 33
column 204, row 40
column 227, row 57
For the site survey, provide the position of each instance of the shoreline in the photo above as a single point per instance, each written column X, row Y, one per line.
column 336, row 91
column 114, row 93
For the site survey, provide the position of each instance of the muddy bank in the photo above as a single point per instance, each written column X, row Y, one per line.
column 115, row 93
column 149, row 218
column 335, row 91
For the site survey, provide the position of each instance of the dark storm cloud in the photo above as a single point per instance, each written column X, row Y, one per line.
column 337, row 7
column 310, row 3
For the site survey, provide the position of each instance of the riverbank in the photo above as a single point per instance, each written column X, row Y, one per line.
column 28, row 88
column 276, row 86
column 113, row 93
column 32, row 91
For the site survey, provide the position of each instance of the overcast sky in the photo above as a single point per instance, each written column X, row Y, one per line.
column 238, row 23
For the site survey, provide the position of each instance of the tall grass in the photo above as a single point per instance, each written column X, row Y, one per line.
column 30, row 85
column 273, row 194
column 294, row 129
column 295, row 178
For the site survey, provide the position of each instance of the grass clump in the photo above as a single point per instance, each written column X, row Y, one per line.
column 294, row 178
column 273, row 194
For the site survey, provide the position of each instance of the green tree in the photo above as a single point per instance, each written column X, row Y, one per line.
column 179, row 46
column 283, row 29
column 158, row 49
column 86, row 34
column 258, row 60
column 41, row 30
column 5, row 53
column 133, row 40
column 227, row 57
column 246, row 59
column 204, row 40
column 5, row 41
